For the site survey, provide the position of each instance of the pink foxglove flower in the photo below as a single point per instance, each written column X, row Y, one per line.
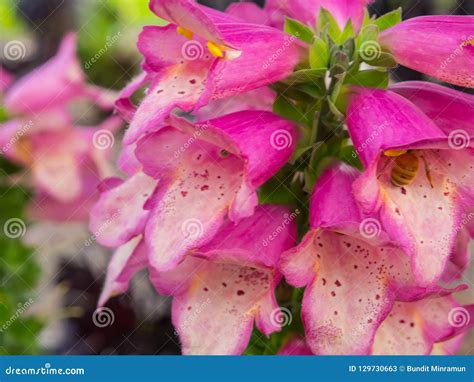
column 306, row 11
column 352, row 278
column 204, row 172
column 413, row 328
column 417, row 180
column 221, row 288
column 449, row 109
column 66, row 161
column 439, row 46
column 201, row 56
column 55, row 83
column 295, row 346
column 429, row 326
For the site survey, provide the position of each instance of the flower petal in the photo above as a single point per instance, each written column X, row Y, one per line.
column 412, row 328
column 439, row 46
column 181, row 81
column 119, row 215
column 448, row 108
column 54, row 83
column 125, row 262
column 195, row 193
column 380, row 120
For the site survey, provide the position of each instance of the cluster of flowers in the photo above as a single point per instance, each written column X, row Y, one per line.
column 65, row 162
column 384, row 246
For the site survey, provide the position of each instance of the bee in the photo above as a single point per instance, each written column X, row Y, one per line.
column 405, row 167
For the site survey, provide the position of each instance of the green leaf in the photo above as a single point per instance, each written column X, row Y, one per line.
column 374, row 78
column 389, row 19
column 301, row 31
column 318, row 53
column 349, row 155
column 348, row 32
column 282, row 106
column 305, row 75
column 327, row 23
column 383, row 59
column 368, row 33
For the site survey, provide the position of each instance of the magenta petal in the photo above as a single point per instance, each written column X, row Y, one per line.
column 450, row 109
column 258, row 99
column 190, row 15
column 5, row 80
column 126, row 261
column 197, row 187
column 119, row 215
column 180, row 80
column 203, row 182
column 224, row 287
column 423, row 324
column 295, row 346
column 249, row 12
column 332, row 208
column 439, row 46
column 264, row 140
column 54, row 83
column 338, row 318
column 123, row 104
column 381, row 120
column 253, row 239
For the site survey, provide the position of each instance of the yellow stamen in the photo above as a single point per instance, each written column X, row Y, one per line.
column 468, row 42
column 216, row 49
column 185, row 32
column 394, row 153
